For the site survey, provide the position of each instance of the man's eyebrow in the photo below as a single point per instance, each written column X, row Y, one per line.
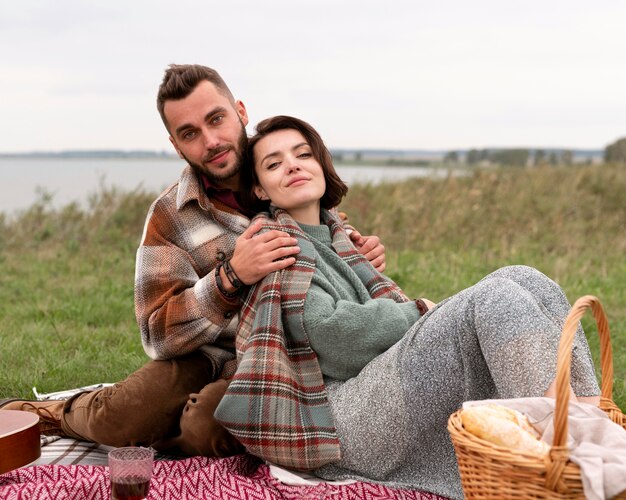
column 186, row 126
column 277, row 153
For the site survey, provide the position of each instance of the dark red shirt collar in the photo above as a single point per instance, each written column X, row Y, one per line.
column 224, row 195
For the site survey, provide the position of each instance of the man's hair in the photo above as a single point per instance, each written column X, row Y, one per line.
column 336, row 189
column 180, row 80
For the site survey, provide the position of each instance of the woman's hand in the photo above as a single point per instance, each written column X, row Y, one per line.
column 429, row 303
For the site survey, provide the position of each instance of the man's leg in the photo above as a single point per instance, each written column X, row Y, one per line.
column 200, row 433
column 143, row 409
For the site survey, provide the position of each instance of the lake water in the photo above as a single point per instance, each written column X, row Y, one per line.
column 73, row 179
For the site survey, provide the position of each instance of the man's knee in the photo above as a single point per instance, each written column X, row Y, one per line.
column 200, row 432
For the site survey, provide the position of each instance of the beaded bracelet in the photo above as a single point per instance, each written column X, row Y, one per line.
column 220, row 285
column 232, row 276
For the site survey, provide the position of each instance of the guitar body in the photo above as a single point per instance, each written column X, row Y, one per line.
column 19, row 439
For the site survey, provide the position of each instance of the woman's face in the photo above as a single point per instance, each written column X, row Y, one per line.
column 289, row 175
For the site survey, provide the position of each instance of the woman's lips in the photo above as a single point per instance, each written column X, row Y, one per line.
column 297, row 181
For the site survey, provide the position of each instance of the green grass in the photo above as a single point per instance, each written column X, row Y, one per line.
column 66, row 276
column 66, row 299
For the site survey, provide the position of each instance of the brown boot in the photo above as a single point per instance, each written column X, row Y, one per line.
column 49, row 413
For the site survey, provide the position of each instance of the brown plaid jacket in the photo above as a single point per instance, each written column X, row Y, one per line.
column 276, row 404
column 178, row 306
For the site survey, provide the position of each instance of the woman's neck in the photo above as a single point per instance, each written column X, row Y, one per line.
column 306, row 215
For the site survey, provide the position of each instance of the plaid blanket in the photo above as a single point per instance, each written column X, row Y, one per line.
column 241, row 477
column 276, row 403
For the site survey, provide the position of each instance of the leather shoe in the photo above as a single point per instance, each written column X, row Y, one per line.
column 49, row 413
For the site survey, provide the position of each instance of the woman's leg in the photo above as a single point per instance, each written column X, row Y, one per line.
column 493, row 340
column 391, row 418
column 550, row 296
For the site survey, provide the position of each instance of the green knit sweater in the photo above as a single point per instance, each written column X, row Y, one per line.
column 345, row 326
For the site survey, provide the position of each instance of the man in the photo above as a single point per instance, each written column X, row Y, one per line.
column 197, row 256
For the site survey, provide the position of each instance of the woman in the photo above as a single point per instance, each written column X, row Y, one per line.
column 373, row 376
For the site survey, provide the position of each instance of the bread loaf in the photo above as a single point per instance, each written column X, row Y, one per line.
column 504, row 427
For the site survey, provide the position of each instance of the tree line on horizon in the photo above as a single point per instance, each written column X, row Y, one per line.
column 616, row 152
column 613, row 153
column 514, row 157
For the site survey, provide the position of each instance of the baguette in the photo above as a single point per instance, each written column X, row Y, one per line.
column 504, row 427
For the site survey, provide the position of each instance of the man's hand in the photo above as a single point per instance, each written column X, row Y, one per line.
column 371, row 248
column 257, row 255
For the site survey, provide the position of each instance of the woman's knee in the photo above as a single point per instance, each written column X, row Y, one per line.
column 496, row 291
column 518, row 273
column 543, row 288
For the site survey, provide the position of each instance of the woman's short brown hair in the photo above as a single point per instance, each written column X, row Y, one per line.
column 336, row 189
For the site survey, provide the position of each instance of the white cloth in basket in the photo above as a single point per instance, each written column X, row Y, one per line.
column 597, row 445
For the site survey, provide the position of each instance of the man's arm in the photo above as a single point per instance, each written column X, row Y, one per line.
column 178, row 308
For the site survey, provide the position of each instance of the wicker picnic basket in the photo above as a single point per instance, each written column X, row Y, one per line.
column 491, row 471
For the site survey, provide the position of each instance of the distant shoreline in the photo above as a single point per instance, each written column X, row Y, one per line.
column 341, row 156
column 61, row 180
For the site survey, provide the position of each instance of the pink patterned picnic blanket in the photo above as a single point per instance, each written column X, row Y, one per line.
column 239, row 477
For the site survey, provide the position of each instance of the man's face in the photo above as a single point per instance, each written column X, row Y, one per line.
column 208, row 131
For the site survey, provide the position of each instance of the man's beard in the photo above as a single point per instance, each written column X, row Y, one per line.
column 216, row 178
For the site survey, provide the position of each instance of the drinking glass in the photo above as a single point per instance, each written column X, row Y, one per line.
column 130, row 470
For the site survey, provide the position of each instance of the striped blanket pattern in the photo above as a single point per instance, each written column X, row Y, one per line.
column 242, row 477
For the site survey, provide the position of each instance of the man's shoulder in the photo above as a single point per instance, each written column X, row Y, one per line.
column 178, row 193
column 167, row 198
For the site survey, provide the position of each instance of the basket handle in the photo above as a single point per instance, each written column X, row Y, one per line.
column 564, row 361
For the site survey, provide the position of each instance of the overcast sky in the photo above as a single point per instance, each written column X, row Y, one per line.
column 83, row 74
